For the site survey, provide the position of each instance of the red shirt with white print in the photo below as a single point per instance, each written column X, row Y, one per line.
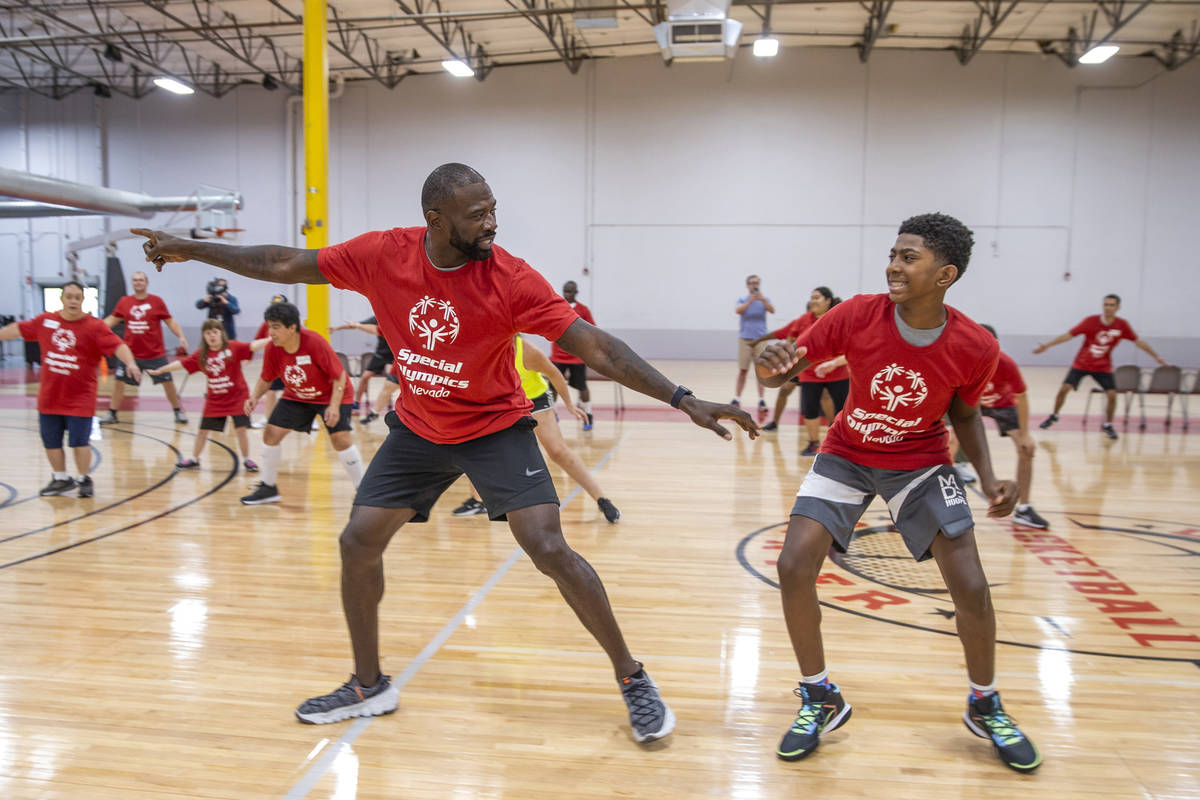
column 227, row 392
column 792, row 331
column 308, row 374
column 898, row 392
column 452, row 329
column 1005, row 385
column 560, row 356
column 1099, row 339
column 71, row 352
column 143, row 324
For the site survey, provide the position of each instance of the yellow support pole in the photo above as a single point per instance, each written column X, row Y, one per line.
column 316, row 152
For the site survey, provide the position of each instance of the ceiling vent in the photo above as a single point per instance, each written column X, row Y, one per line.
column 698, row 30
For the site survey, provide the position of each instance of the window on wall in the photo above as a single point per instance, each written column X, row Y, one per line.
column 52, row 299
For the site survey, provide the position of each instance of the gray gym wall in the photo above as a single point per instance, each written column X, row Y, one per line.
column 669, row 185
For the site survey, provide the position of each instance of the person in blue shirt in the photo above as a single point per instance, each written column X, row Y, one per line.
column 221, row 305
column 752, row 311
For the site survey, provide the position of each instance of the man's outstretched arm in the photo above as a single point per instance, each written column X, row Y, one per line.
column 271, row 263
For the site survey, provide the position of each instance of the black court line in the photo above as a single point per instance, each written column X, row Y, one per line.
column 12, row 492
column 97, row 459
column 232, row 473
column 173, row 473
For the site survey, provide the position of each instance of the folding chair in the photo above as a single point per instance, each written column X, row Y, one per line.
column 1183, row 397
column 351, row 364
column 1128, row 379
column 1164, row 380
column 618, row 390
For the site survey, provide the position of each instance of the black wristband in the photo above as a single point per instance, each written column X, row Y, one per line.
column 680, row 393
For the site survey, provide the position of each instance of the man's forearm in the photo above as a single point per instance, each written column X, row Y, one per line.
column 125, row 356
column 271, row 263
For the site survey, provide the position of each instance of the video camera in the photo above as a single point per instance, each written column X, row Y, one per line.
column 217, row 287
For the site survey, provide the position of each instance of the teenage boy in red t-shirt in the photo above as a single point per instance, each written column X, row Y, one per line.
column 314, row 383
column 572, row 367
column 912, row 359
column 1101, row 333
column 72, row 344
column 144, row 314
column 450, row 302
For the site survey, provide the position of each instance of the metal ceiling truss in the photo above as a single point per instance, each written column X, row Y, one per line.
column 451, row 35
column 363, row 51
column 876, row 24
column 1076, row 43
column 564, row 42
column 992, row 13
column 1180, row 49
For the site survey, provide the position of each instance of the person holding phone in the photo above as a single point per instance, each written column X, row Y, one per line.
column 753, row 310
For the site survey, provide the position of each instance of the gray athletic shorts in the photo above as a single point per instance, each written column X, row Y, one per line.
column 922, row 502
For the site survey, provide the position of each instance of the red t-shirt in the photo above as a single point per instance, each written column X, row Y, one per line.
column 792, row 331
column 143, row 324
column 1005, row 385
column 227, row 392
column 560, row 356
column 1095, row 355
column 308, row 374
column 898, row 392
column 452, row 330
column 71, row 352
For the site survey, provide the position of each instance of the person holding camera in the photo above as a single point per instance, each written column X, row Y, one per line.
column 221, row 305
column 753, row 310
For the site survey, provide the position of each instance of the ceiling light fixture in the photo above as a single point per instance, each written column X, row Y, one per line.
column 1099, row 54
column 458, row 69
column 766, row 46
column 172, row 85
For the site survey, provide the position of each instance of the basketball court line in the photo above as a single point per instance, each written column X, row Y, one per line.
column 317, row 771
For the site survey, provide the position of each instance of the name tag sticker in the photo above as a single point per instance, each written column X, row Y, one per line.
column 51, row 323
column 302, row 360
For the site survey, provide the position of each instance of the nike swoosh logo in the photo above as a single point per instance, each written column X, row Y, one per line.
column 529, row 473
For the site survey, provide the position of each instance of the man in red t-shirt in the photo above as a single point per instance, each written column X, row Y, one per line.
column 572, row 366
column 912, row 361
column 1101, row 333
column 144, row 314
column 72, row 344
column 314, row 383
column 450, row 303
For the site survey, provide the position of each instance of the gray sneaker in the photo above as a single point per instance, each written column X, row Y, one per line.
column 649, row 716
column 1029, row 518
column 110, row 418
column 57, row 486
column 351, row 699
column 180, row 417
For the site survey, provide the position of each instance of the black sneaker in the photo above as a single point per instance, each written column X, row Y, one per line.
column 1048, row 421
column 812, row 449
column 986, row 719
column 1108, row 430
column 180, row 417
column 187, row 463
column 771, row 426
column 351, row 699
column 823, row 710
column 57, row 486
column 86, row 489
column 610, row 511
column 587, row 426
column 649, row 716
column 110, row 418
column 1029, row 518
column 470, row 507
column 265, row 493
column 371, row 416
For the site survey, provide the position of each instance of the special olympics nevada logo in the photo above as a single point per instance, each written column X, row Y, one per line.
column 899, row 387
column 434, row 321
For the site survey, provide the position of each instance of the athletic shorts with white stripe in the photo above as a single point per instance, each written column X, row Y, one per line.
column 922, row 502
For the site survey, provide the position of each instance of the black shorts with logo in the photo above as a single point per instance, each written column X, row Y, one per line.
column 299, row 416
column 1105, row 379
column 1006, row 418
column 506, row 468
column 144, row 364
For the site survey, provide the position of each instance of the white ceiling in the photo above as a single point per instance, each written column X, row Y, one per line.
column 56, row 47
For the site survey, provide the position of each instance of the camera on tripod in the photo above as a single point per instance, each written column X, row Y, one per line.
column 217, row 287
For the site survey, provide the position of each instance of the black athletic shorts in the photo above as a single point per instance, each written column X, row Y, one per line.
column 1105, row 379
column 542, row 402
column 393, row 379
column 218, row 423
column 576, row 375
column 810, row 397
column 144, row 364
column 1006, row 418
column 276, row 385
column 377, row 364
column 506, row 468
column 299, row 416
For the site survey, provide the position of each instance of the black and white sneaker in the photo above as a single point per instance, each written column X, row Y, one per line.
column 351, row 699
column 1108, row 430
column 649, row 716
column 57, row 486
column 86, row 489
column 110, row 418
column 1029, row 518
column 469, row 508
column 771, row 426
column 265, row 493
column 611, row 513
column 180, row 417
column 368, row 418
column 1048, row 421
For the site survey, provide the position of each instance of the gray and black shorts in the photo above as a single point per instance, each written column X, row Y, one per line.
column 506, row 468
column 1006, row 418
column 144, row 364
column 922, row 502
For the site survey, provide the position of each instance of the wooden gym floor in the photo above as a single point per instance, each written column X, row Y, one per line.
column 157, row 637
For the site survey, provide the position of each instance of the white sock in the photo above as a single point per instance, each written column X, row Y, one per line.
column 587, row 407
column 60, row 476
column 820, row 677
column 1022, row 506
column 352, row 462
column 272, row 453
column 982, row 691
